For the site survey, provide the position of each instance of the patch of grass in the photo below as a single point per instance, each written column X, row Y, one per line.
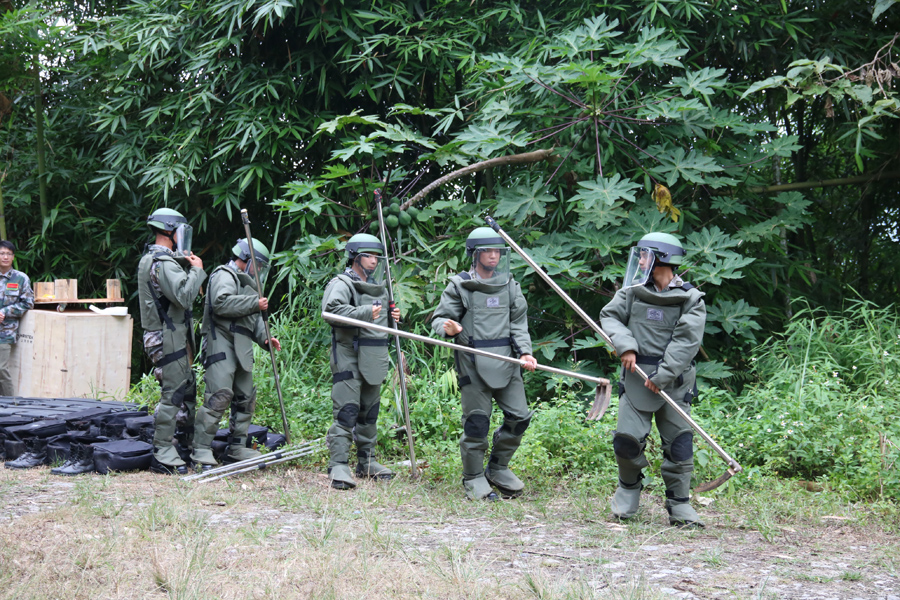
column 321, row 532
column 814, row 578
column 458, row 565
column 160, row 514
column 714, row 557
column 852, row 576
column 188, row 576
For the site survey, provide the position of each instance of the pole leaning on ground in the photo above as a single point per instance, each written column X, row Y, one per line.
column 733, row 466
column 287, row 430
column 404, row 399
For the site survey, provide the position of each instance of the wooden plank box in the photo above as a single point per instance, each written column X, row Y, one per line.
column 72, row 354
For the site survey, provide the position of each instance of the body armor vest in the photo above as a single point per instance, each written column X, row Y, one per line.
column 368, row 349
column 486, row 325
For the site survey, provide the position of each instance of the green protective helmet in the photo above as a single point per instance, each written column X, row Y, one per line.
column 483, row 237
column 363, row 243
column 242, row 251
column 166, row 219
column 665, row 246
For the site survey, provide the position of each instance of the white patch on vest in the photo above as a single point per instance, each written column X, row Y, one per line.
column 654, row 314
column 493, row 301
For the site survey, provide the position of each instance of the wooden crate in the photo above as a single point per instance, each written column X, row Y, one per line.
column 72, row 354
column 65, row 291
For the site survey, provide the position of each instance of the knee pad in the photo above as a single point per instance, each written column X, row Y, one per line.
column 371, row 417
column 347, row 416
column 516, row 426
column 477, row 425
column 682, row 447
column 220, row 400
column 626, row 446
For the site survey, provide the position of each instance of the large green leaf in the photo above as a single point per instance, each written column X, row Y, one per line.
column 523, row 200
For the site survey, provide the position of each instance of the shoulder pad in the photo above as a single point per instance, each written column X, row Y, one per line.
column 225, row 268
column 465, row 276
column 687, row 286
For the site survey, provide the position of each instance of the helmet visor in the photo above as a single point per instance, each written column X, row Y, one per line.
column 370, row 267
column 263, row 269
column 640, row 264
column 184, row 235
column 491, row 265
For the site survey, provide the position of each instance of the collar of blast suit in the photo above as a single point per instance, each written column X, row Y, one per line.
column 244, row 278
column 157, row 249
column 475, row 283
column 363, row 287
column 673, row 294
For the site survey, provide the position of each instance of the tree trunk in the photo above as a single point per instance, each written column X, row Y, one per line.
column 2, row 211
column 39, row 130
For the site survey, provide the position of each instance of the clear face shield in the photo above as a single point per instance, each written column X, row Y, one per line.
column 263, row 269
column 492, row 265
column 183, row 236
column 640, row 265
column 370, row 267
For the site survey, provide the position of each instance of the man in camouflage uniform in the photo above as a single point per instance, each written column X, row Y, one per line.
column 232, row 321
column 484, row 308
column 17, row 299
column 657, row 321
column 359, row 361
column 169, row 278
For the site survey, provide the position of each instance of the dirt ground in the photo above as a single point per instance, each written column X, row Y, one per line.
column 285, row 533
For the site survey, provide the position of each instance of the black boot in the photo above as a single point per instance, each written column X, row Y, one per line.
column 158, row 467
column 86, row 464
column 74, row 457
column 83, row 463
column 36, row 457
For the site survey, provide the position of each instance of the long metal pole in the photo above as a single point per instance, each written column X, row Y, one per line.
column 404, row 399
column 435, row 342
column 286, row 453
column 287, row 430
column 733, row 466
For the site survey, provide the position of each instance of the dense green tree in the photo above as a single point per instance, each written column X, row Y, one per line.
column 300, row 109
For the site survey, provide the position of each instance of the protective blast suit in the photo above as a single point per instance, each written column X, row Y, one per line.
column 231, row 324
column 664, row 328
column 166, row 290
column 359, row 365
column 493, row 317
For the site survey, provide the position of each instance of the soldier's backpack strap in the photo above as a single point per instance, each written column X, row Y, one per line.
column 162, row 304
column 232, row 326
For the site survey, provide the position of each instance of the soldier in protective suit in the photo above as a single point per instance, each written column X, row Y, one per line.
column 484, row 308
column 657, row 321
column 359, row 360
column 232, row 321
column 169, row 278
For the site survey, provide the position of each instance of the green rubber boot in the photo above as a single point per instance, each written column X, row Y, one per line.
column 341, row 477
column 369, row 467
column 625, row 502
column 479, row 489
column 627, row 499
column 238, row 451
column 504, row 480
column 681, row 513
column 165, row 452
column 678, row 495
column 205, row 426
